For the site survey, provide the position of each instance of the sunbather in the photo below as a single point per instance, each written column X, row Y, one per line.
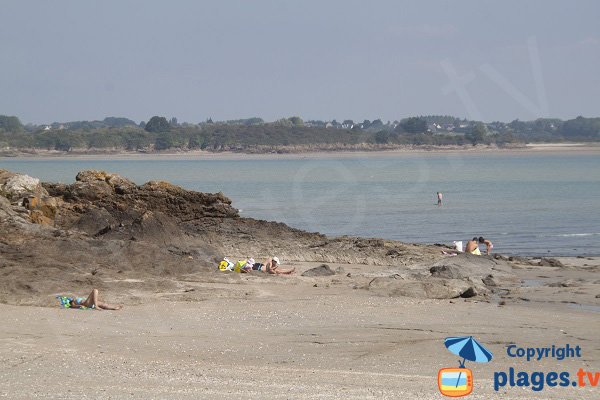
column 472, row 247
column 272, row 266
column 91, row 302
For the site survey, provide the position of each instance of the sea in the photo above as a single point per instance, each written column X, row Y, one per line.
column 527, row 204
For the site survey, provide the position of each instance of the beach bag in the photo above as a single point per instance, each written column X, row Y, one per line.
column 225, row 265
column 239, row 265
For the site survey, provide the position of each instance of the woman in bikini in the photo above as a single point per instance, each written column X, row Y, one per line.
column 272, row 267
column 91, row 302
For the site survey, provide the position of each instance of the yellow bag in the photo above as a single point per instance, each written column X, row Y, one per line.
column 239, row 265
column 223, row 265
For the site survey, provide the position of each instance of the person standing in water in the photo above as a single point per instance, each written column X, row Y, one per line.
column 439, row 198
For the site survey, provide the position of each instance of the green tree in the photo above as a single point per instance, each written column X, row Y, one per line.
column 476, row 134
column 413, row 125
column 164, row 141
column 382, row 137
column 296, row 121
column 197, row 141
column 581, row 127
column 378, row 123
column 118, row 122
column 10, row 124
column 157, row 124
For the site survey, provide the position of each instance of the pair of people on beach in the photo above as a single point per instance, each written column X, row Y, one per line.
column 473, row 246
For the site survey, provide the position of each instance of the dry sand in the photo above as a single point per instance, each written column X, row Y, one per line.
column 275, row 337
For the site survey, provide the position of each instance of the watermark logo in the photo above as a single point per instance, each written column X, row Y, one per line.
column 540, row 380
column 458, row 382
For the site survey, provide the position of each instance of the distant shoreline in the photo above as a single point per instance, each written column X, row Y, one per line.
column 546, row 148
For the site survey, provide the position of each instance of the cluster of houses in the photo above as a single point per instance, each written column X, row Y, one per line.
column 446, row 128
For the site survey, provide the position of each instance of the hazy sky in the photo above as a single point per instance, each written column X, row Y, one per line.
column 343, row 59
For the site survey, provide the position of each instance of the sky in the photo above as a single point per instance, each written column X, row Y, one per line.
column 338, row 59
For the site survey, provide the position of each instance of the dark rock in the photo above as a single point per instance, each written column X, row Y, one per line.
column 565, row 283
column 470, row 292
column 93, row 220
column 321, row 270
column 89, row 191
column 432, row 288
column 361, row 243
column 550, row 262
column 490, row 281
column 392, row 253
column 447, row 271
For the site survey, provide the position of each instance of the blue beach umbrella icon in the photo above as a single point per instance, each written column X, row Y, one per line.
column 469, row 349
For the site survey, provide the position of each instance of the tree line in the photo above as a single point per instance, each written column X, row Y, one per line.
column 159, row 133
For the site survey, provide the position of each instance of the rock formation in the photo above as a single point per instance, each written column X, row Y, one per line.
column 104, row 227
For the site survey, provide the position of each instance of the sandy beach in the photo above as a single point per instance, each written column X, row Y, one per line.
column 532, row 148
column 281, row 200
column 361, row 318
column 295, row 337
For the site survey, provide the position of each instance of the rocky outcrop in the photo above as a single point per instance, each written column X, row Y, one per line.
column 27, row 192
column 465, row 275
column 101, row 203
column 432, row 288
column 105, row 228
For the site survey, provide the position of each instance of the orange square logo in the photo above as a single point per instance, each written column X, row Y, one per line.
column 455, row 382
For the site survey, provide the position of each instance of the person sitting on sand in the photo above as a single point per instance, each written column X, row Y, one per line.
column 472, row 247
column 91, row 302
column 272, row 266
column 488, row 245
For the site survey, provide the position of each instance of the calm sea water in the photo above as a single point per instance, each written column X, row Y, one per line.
column 534, row 204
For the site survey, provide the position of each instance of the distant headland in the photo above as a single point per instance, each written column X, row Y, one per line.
column 117, row 135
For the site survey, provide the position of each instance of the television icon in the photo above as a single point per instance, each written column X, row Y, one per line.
column 455, row 382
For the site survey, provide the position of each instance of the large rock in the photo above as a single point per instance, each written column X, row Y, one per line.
column 321, row 270
column 120, row 184
column 479, row 268
column 16, row 186
column 42, row 209
column 432, row 288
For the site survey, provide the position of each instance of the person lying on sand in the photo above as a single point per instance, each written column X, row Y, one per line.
column 91, row 302
column 472, row 247
column 272, row 266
